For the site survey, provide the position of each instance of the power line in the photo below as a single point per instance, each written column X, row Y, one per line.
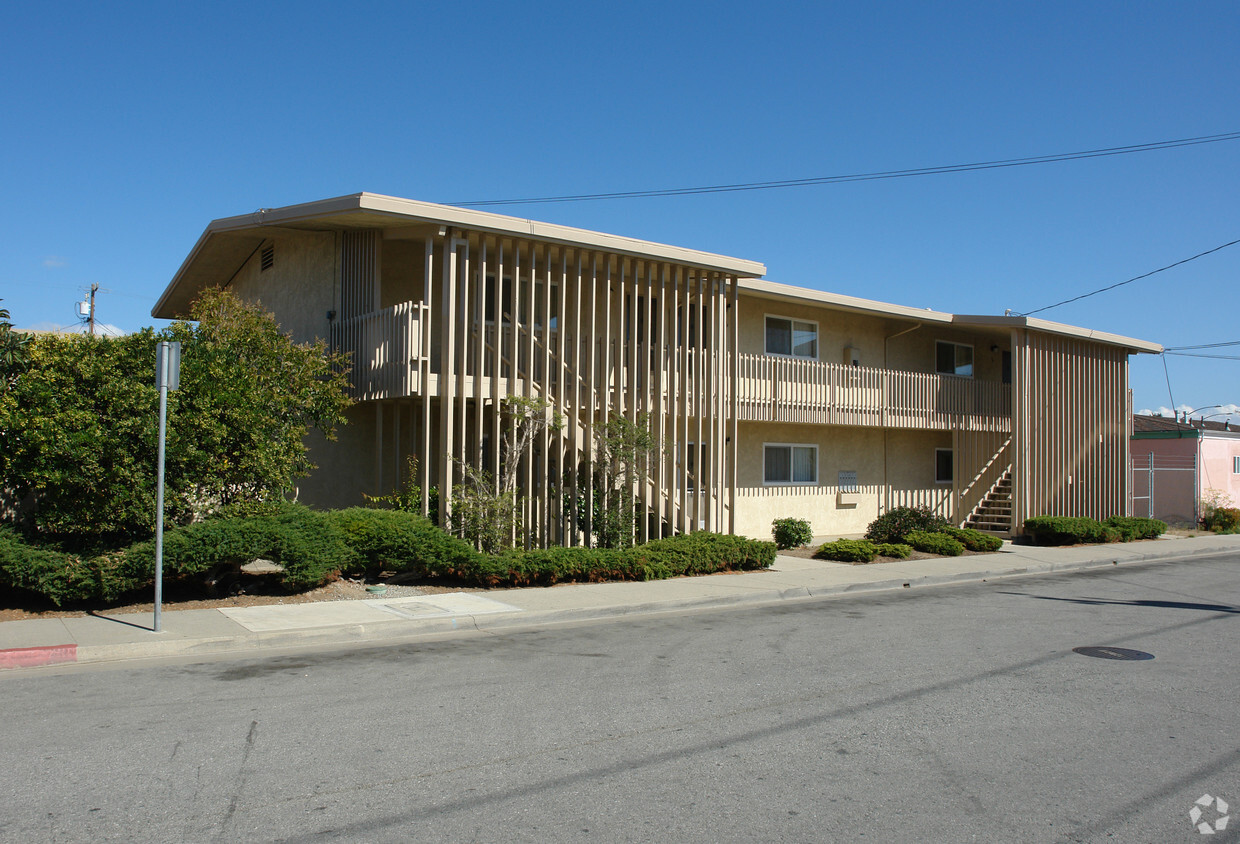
column 1203, row 346
column 865, row 177
column 1129, row 281
column 1191, row 355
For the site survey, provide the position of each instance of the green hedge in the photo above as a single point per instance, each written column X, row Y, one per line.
column 675, row 556
column 861, row 550
column 395, row 540
column 312, row 547
column 848, row 551
column 934, row 542
column 1078, row 530
column 1132, row 528
column 973, row 540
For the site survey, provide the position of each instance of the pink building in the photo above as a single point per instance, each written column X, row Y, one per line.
column 1178, row 465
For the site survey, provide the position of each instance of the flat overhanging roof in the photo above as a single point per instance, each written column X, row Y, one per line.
column 838, row 301
column 227, row 242
column 1047, row 327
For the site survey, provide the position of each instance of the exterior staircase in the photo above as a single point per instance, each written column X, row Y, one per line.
column 994, row 513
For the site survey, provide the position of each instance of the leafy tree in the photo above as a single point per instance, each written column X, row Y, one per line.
column 13, row 351
column 623, row 450
column 78, row 429
column 486, row 510
column 248, row 397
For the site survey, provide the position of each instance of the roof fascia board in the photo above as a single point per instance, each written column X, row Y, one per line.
column 429, row 212
column 788, row 292
column 1048, row 327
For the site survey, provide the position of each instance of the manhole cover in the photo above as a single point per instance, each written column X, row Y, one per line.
column 1112, row 653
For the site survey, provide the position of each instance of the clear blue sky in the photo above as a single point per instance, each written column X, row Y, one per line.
column 128, row 127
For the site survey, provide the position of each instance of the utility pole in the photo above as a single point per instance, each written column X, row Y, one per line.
column 91, row 319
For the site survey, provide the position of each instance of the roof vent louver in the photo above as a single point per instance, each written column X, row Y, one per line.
column 268, row 258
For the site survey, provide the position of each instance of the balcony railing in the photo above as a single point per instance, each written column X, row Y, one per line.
column 385, row 348
column 778, row 389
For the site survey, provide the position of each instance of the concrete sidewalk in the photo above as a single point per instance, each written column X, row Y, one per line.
column 40, row 642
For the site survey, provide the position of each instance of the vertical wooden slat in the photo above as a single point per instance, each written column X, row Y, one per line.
column 446, row 377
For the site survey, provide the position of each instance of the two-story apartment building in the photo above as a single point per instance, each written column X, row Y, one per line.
column 768, row 400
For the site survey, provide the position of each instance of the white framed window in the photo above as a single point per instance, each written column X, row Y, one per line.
column 943, row 466
column 953, row 358
column 789, row 464
column 794, row 338
column 1235, row 465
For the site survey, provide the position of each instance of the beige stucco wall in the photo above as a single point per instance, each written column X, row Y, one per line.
column 901, row 460
column 345, row 466
column 300, row 285
column 402, row 276
column 913, row 351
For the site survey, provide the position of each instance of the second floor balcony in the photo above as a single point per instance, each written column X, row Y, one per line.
column 392, row 358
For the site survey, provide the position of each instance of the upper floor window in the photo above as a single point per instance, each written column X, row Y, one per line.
column 791, row 337
column 953, row 359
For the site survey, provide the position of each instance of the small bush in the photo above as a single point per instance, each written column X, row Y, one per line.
column 791, row 533
column 933, row 542
column 974, row 540
column 1222, row 519
column 897, row 550
column 896, row 524
column 1132, row 528
column 848, row 551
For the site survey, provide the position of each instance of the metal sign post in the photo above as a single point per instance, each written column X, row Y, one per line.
column 167, row 377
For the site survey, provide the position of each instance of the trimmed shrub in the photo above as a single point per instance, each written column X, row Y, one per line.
column 674, row 556
column 1132, row 528
column 61, row 578
column 304, row 542
column 401, row 541
column 791, row 533
column 974, row 540
column 313, row 547
column 1069, row 530
column 896, row 524
column 934, row 542
column 898, row 550
column 848, row 551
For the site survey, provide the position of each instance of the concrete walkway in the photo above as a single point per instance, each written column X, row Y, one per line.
column 40, row 642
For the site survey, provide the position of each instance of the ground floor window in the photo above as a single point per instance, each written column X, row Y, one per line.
column 785, row 463
column 943, row 473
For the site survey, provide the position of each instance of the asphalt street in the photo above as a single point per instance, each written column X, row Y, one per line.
column 959, row 713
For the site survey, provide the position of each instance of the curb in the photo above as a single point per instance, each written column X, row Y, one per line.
column 398, row 631
column 38, row 657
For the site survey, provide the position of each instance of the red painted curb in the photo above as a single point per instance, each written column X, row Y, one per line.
column 33, row 657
